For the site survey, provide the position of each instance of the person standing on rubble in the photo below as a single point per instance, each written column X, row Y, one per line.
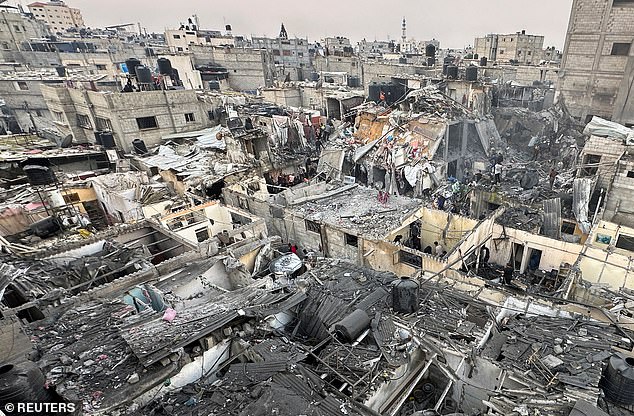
column 551, row 177
column 497, row 171
column 439, row 249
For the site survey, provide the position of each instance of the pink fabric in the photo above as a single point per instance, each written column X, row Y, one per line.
column 169, row 315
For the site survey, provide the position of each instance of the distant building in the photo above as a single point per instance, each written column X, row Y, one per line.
column 57, row 15
column 338, row 46
column 292, row 55
column 187, row 35
column 17, row 29
column 376, row 48
column 514, row 48
column 598, row 66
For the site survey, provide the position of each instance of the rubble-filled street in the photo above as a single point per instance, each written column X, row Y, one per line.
column 199, row 220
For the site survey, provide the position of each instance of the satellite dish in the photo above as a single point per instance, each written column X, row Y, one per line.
column 66, row 141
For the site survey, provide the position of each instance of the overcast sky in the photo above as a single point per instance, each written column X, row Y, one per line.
column 454, row 22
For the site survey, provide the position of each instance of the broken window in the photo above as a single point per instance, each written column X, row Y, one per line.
column 59, row 116
column 23, row 86
column 626, row 242
column 103, row 124
column 409, row 259
column 630, row 173
column 189, row 117
column 84, row 121
column 568, row 227
column 177, row 36
column 623, row 3
column 351, row 240
column 202, row 235
column 243, row 203
column 312, row 226
column 74, row 197
column 621, row 49
column 590, row 164
column 146, row 123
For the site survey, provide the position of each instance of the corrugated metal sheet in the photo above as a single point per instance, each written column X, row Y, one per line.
column 552, row 218
column 152, row 339
column 582, row 192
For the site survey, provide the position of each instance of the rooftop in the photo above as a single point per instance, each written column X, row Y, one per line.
column 356, row 209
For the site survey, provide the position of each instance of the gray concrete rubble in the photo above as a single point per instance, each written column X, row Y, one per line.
column 203, row 223
column 174, row 344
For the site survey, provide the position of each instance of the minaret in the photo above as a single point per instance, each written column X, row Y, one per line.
column 283, row 33
column 404, row 34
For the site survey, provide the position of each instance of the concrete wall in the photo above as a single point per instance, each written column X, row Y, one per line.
column 25, row 103
column 122, row 111
column 610, row 151
column 554, row 252
column 525, row 75
column 249, row 69
column 591, row 76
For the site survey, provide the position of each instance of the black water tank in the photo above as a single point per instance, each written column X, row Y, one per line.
column 107, row 140
column 452, row 72
column 164, row 66
column 61, row 71
column 444, row 68
column 23, row 383
column 431, row 61
column 618, row 380
column 131, row 64
column 374, row 92
column 353, row 325
column 471, row 73
column 354, row 81
column 46, row 227
column 139, row 146
column 176, row 79
column 402, row 60
column 405, row 295
column 143, row 74
column 39, row 175
column 430, row 50
column 314, row 76
column 398, row 91
column 484, row 61
column 214, row 85
column 98, row 137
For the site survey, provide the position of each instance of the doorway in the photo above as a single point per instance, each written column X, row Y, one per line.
column 517, row 255
column 534, row 259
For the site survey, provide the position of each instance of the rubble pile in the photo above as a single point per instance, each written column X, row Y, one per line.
column 555, row 360
column 361, row 210
column 521, row 219
column 48, row 279
column 538, row 142
column 84, row 357
column 432, row 102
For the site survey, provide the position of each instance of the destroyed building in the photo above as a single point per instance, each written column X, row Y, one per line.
column 409, row 150
column 445, row 244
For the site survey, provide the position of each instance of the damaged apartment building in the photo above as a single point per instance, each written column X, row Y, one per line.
column 429, row 138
